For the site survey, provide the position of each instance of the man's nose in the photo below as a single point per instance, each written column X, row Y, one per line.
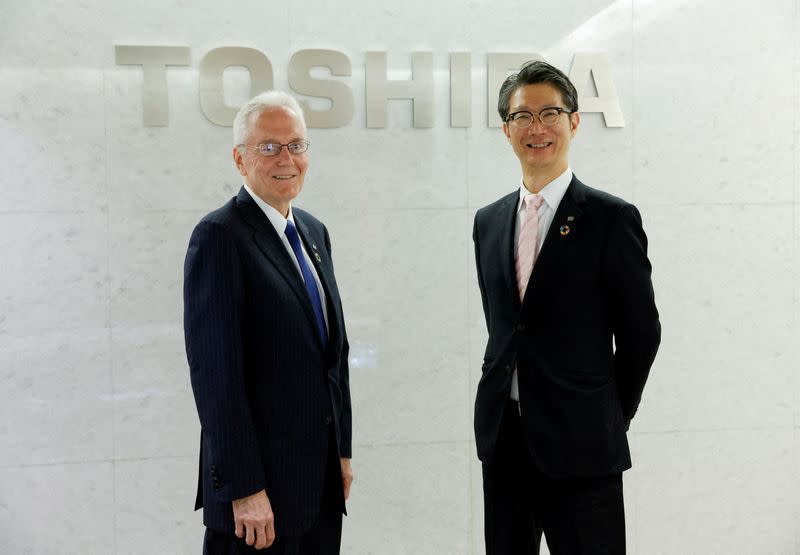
column 284, row 155
column 536, row 126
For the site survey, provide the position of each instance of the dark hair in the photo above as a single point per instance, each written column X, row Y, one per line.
column 532, row 73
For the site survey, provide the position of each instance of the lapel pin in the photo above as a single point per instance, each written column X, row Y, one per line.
column 317, row 255
column 570, row 218
column 564, row 230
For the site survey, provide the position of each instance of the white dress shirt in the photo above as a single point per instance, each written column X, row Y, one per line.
column 279, row 223
column 552, row 193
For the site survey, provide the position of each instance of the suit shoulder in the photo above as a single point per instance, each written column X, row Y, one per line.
column 307, row 218
column 602, row 198
column 225, row 215
column 610, row 206
column 491, row 209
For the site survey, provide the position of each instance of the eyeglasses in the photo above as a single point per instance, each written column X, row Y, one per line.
column 524, row 118
column 273, row 149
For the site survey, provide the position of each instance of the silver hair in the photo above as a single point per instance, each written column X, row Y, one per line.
column 259, row 104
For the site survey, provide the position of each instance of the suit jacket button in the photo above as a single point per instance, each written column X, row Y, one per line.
column 327, row 420
column 509, row 369
column 521, row 327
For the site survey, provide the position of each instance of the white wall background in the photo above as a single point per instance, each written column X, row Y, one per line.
column 98, row 431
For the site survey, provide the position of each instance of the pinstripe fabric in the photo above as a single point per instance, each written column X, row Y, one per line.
column 266, row 391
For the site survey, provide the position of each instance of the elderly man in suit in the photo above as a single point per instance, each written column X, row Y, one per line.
column 267, row 351
column 573, row 330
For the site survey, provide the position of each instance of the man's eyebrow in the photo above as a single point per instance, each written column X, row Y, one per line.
column 526, row 109
column 276, row 141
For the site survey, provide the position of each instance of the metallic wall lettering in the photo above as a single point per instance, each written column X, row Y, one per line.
column 419, row 88
column 379, row 89
column 154, row 61
column 460, row 89
column 340, row 95
column 212, row 90
column 598, row 67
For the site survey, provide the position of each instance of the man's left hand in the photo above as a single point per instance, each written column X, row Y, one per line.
column 347, row 477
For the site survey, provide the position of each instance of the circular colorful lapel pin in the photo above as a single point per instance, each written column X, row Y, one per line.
column 564, row 230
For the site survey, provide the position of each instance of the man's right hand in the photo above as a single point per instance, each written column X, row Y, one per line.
column 254, row 520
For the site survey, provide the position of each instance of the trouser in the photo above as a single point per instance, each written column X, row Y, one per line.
column 578, row 516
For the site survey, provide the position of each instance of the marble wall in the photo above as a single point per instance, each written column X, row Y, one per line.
column 98, row 430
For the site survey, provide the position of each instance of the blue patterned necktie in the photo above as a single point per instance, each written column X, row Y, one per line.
column 308, row 278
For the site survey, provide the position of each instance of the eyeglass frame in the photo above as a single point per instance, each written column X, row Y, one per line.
column 510, row 117
column 257, row 148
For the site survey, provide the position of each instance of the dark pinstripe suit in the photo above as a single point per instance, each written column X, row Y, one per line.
column 267, row 394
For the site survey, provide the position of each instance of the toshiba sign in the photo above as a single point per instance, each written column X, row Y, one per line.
column 586, row 69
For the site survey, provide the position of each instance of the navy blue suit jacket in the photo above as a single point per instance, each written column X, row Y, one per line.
column 267, row 393
column 590, row 290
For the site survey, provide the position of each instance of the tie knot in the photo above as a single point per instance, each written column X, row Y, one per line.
column 533, row 202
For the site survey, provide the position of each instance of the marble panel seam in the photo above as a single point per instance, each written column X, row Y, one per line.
column 784, row 428
column 111, row 349
column 299, row 204
column 370, row 444
column 57, row 463
column 29, row 212
column 632, row 121
column 101, row 461
column 199, row 211
column 158, row 458
column 470, row 262
column 651, row 204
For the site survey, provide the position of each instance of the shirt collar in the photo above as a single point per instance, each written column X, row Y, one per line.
column 553, row 192
column 276, row 218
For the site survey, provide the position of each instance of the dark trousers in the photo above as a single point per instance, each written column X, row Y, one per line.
column 324, row 538
column 578, row 516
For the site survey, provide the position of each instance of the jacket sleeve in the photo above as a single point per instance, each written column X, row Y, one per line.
column 346, row 419
column 635, row 323
column 477, row 245
column 346, row 416
column 213, row 313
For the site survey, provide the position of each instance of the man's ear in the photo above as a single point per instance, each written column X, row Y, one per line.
column 239, row 161
column 574, row 122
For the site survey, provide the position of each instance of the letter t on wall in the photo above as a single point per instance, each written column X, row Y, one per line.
column 154, row 61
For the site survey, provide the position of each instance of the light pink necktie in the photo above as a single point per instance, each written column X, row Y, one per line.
column 528, row 245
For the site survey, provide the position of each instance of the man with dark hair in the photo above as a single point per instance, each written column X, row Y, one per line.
column 573, row 330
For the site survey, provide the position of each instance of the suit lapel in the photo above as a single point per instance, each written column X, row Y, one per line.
column 324, row 266
column 507, row 217
column 270, row 244
column 567, row 218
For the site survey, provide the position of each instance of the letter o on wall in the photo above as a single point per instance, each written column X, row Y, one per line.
column 212, row 90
